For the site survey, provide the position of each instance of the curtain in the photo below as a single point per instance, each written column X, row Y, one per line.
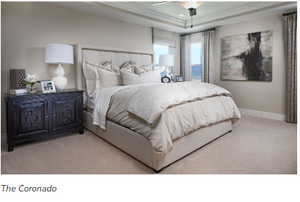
column 290, row 41
column 185, row 55
column 171, row 40
column 208, row 38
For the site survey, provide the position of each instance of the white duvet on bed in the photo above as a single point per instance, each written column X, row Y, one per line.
column 102, row 101
column 149, row 102
column 165, row 112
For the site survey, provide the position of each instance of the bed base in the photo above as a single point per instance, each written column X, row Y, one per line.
column 141, row 149
column 157, row 171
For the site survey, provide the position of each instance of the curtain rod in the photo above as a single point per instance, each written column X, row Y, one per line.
column 290, row 13
column 210, row 29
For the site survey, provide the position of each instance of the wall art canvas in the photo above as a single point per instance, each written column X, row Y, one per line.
column 247, row 57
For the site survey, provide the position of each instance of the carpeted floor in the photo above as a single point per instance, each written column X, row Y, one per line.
column 255, row 146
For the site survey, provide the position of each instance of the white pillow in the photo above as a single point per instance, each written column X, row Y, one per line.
column 97, row 77
column 92, row 78
column 129, row 78
column 108, row 78
column 103, row 73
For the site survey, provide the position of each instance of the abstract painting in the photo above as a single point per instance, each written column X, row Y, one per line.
column 247, row 57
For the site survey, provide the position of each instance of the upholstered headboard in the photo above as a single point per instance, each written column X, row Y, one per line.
column 96, row 55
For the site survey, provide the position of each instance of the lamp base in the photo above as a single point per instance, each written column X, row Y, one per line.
column 60, row 82
column 59, row 79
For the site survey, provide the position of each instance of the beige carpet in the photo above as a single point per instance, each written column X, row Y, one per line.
column 255, row 146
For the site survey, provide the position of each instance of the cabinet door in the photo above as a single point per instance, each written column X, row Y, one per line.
column 30, row 116
column 66, row 111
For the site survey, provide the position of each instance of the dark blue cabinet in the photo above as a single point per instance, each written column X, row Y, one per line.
column 42, row 116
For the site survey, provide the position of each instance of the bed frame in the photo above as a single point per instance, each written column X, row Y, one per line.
column 129, row 141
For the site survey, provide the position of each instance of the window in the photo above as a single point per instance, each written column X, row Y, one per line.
column 159, row 50
column 196, row 61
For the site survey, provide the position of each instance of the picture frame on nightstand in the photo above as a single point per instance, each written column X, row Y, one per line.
column 179, row 78
column 48, row 86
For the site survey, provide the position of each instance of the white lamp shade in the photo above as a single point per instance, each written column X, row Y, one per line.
column 59, row 54
column 166, row 60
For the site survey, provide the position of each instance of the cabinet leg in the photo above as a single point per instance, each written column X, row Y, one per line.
column 81, row 131
column 10, row 148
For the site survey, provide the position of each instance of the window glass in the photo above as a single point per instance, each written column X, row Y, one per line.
column 159, row 50
column 196, row 61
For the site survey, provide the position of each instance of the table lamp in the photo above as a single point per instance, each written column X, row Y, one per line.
column 168, row 62
column 59, row 54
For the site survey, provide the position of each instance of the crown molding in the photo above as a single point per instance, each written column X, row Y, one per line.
column 142, row 11
column 147, row 17
column 246, row 15
column 102, row 10
column 245, row 9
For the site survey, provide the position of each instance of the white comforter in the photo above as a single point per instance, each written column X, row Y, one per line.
column 164, row 112
column 149, row 102
column 102, row 101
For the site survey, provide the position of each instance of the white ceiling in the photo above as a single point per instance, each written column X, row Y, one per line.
column 175, row 9
column 174, row 17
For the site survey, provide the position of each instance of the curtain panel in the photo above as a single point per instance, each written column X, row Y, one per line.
column 185, row 55
column 290, row 42
column 206, row 39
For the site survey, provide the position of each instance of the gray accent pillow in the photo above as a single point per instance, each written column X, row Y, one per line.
column 128, row 66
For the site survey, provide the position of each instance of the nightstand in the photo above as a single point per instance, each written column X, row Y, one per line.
column 40, row 116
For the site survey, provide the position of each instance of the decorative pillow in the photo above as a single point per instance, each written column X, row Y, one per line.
column 143, row 69
column 129, row 78
column 107, row 65
column 128, row 66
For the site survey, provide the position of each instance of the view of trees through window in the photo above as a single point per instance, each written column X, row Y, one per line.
column 196, row 61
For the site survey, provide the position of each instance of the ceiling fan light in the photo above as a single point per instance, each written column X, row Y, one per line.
column 192, row 11
column 191, row 4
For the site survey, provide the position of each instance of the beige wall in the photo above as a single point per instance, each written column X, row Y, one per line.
column 28, row 27
column 261, row 96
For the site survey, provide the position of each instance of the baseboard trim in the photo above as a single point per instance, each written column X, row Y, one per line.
column 262, row 114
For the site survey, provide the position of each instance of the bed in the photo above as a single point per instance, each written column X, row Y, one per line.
column 129, row 138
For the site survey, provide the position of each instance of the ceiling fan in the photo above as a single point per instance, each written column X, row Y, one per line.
column 191, row 6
